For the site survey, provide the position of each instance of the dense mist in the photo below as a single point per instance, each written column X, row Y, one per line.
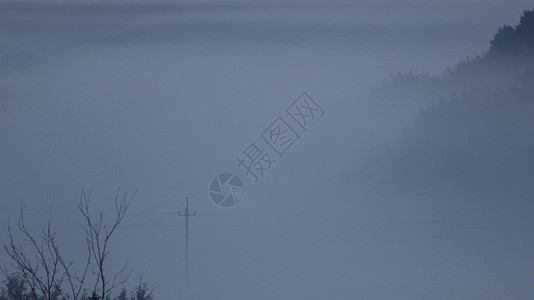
column 416, row 181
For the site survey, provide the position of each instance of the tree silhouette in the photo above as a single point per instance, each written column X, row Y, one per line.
column 41, row 269
column 15, row 288
column 512, row 42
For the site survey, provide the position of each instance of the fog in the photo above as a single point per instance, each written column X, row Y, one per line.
column 383, row 197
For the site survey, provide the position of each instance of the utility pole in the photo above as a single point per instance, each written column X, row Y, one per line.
column 186, row 215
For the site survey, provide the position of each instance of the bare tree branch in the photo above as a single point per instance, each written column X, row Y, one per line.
column 98, row 239
column 44, row 270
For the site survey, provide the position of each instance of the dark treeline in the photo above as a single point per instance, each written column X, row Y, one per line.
column 473, row 131
column 15, row 288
